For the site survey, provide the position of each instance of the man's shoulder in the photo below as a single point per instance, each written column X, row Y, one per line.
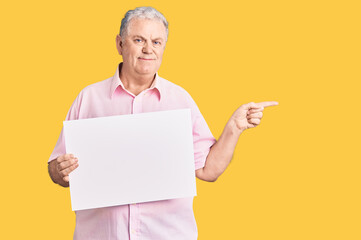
column 100, row 87
column 171, row 87
column 175, row 94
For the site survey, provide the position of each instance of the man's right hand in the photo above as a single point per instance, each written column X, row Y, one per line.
column 66, row 164
column 60, row 168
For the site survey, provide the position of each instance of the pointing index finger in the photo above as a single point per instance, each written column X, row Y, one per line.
column 267, row 104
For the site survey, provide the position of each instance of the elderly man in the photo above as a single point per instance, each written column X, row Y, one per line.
column 137, row 88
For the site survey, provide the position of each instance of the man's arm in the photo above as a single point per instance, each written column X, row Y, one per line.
column 60, row 168
column 246, row 116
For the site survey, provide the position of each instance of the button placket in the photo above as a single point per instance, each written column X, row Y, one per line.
column 134, row 221
column 137, row 104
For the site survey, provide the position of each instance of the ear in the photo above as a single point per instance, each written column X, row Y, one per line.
column 119, row 44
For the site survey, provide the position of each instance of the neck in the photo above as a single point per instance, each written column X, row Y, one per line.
column 136, row 83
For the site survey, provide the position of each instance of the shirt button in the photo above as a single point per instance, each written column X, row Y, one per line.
column 133, row 231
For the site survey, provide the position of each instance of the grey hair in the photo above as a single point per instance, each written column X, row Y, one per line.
column 141, row 12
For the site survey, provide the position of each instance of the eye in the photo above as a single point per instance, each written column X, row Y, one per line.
column 157, row 43
column 138, row 40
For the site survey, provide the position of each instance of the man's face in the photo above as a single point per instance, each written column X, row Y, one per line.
column 142, row 46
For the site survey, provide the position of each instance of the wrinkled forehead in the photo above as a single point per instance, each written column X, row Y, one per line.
column 147, row 28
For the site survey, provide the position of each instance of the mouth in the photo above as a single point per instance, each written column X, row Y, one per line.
column 146, row 59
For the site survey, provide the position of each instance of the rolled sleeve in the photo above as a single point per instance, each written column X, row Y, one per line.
column 202, row 137
column 59, row 148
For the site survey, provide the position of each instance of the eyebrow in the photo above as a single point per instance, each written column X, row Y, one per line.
column 138, row 36
column 158, row 38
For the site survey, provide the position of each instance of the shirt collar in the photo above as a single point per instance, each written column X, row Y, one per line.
column 116, row 82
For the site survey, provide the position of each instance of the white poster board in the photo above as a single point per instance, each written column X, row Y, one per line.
column 131, row 158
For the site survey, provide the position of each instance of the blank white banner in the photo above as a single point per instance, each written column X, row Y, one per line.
column 131, row 158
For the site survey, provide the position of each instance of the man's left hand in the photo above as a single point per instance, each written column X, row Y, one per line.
column 249, row 115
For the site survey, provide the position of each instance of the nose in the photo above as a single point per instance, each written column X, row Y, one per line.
column 147, row 48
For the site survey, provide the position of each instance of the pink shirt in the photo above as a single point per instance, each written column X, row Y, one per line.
column 159, row 220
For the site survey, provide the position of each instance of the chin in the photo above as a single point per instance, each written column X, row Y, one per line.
column 146, row 71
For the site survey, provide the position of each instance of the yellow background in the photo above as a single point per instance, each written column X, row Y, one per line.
column 296, row 176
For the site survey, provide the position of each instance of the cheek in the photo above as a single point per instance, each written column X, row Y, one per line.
column 160, row 54
column 131, row 52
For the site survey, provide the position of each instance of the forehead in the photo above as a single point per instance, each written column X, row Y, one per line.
column 151, row 28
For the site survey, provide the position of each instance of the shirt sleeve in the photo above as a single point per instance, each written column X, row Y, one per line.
column 73, row 114
column 202, row 137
